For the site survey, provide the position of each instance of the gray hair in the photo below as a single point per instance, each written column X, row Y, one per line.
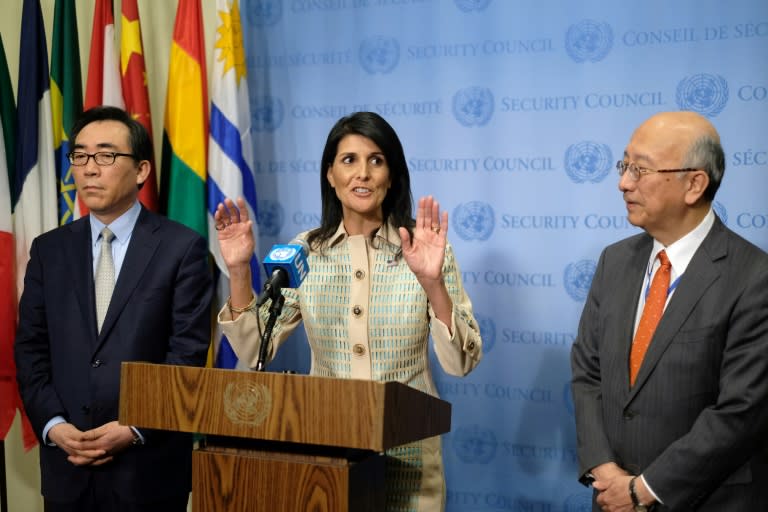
column 707, row 154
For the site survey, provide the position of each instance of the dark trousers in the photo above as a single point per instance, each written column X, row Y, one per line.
column 101, row 497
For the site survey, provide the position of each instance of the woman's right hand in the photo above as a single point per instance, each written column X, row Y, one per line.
column 235, row 232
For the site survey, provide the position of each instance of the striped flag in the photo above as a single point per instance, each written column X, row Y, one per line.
column 34, row 187
column 66, row 101
column 230, row 152
column 103, row 85
column 10, row 401
column 133, row 72
column 185, row 138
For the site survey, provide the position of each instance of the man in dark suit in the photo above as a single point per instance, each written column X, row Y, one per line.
column 74, row 331
column 685, row 426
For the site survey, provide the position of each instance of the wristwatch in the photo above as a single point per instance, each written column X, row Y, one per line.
column 638, row 507
column 136, row 437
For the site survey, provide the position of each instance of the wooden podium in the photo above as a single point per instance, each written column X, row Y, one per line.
column 278, row 442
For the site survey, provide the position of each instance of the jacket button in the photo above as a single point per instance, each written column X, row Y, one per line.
column 86, row 409
column 96, row 363
column 471, row 346
column 628, row 415
column 357, row 311
column 358, row 349
column 359, row 274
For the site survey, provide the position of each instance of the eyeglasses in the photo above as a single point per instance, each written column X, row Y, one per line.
column 101, row 158
column 635, row 171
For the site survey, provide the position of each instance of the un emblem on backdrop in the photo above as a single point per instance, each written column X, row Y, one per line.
column 474, row 445
column 487, row 331
column 266, row 113
column 473, row 106
column 588, row 161
column 473, row 220
column 271, row 217
column 720, row 211
column 578, row 277
column 379, row 54
column 588, row 40
column 263, row 13
column 581, row 502
column 702, row 93
column 472, row 5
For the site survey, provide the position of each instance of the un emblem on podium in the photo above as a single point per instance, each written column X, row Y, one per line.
column 578, row 278
column 588, row 40
column 473, row 106
column 588, row 161
column 702, row 93
column 379, row 54
column 246, row 403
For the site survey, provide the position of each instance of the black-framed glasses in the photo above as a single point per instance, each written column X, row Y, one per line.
column 101, row 157
column 635, row 171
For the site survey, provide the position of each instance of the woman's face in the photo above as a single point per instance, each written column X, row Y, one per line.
column 360, row 176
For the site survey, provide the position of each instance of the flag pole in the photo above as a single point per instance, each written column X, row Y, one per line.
column 3, row 486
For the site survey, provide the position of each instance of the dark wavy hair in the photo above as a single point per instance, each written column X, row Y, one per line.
column 398, row 203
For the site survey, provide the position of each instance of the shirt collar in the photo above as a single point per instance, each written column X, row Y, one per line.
column 680, row 253
column 121, row 226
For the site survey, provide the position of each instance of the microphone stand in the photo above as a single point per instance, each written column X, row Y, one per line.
column 274, row 311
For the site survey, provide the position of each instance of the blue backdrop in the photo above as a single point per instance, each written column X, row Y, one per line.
column 513, row 114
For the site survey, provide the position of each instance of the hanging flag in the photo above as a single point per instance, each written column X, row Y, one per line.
column 185, row 138
column 66, row 101
column 10, row 401
column 103, row 85
column 133, row 73
column 34, row 187
column 33, row 192
column 230, row 152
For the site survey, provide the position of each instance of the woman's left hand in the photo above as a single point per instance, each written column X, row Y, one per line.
column 425, row 252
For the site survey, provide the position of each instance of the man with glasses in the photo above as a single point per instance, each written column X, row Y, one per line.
column 670, row 365
column 119, row 284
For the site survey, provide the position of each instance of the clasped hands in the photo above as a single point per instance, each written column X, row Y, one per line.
column 93, row 447
column 612, row 485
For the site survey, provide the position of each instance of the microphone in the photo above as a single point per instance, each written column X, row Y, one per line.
column 286, row 265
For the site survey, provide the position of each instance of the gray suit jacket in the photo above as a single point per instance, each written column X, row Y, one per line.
column 696, row 422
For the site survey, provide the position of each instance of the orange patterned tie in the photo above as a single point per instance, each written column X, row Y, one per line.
column 652, row 311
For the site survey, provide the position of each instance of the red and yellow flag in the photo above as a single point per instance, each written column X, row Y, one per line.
column 185, row 137
column 133, row 74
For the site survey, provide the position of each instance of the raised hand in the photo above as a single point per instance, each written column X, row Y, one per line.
column 425, row 252
column 234, row 230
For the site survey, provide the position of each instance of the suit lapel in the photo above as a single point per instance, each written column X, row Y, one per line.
column 142, row 246
column 79, row 256
column 698, row 277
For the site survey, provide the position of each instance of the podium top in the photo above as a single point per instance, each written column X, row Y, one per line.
column 346, row 413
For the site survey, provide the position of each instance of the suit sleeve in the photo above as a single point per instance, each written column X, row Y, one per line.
column 592, row 442
column 31, row 349
column 727, row 434
column 191, row 308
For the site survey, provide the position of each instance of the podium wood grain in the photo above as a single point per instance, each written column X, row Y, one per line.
column 304, row 409
column 279, row 442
